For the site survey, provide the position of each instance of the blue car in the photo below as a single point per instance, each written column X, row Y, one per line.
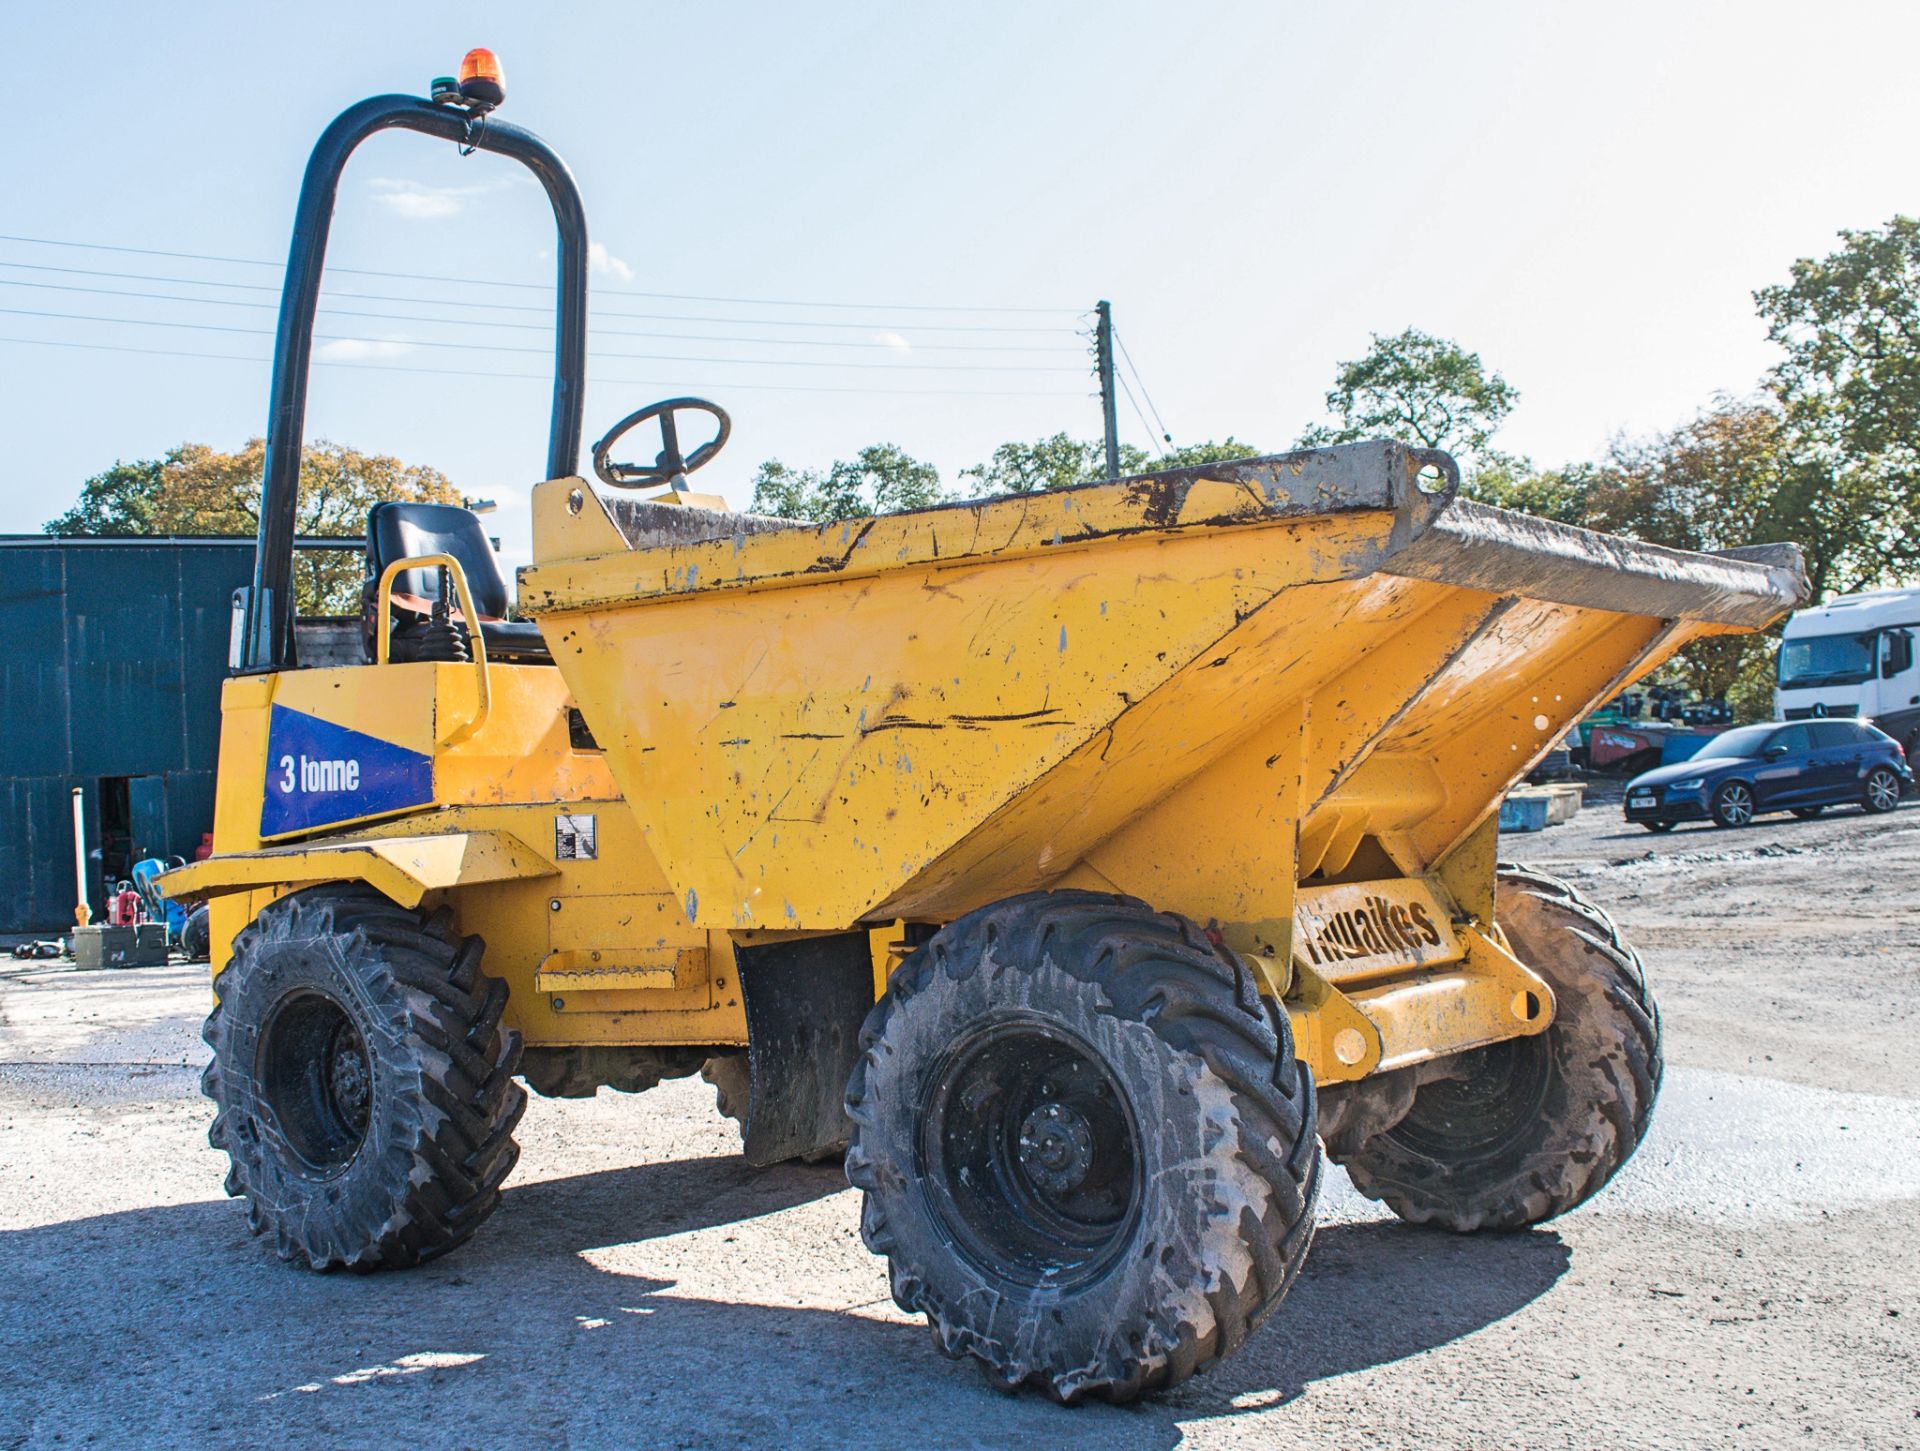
column 1803, row 767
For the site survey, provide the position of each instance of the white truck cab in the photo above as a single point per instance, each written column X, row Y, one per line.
column 1854, row 657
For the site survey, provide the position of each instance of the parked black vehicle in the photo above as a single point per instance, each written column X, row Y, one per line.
column 1803, row 767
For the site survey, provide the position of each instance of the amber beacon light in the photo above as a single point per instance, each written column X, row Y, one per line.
column 482, row 81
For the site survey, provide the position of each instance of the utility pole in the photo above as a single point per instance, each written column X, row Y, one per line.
column 1103, row 351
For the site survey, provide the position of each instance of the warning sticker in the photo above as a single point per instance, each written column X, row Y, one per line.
column 573, row 839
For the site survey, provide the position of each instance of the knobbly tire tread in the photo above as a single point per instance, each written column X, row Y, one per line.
column 439, row 1142
column 1606, row 1065
column 196, row 937
column 1203, row 1007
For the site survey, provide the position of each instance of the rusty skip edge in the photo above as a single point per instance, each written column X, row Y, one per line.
column 1476, row 546
column 738, row 549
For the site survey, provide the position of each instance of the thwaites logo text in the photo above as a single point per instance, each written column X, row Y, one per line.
column 1363, row 927
column 1376, row 927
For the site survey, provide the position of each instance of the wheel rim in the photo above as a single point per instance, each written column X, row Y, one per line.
column 1029, row 1151
column 1883, row 790
column 316, row 1079
column 1497, row 1095
column 1736, row 805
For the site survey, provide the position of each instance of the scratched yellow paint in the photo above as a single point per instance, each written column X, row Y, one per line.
column 796, row 767
column 1207, row 695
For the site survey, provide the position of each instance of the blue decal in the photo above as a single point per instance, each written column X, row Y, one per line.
column 319, row 773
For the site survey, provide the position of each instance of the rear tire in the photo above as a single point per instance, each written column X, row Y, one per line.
column 1504, row 1137
column 1882, row 791
column 196, row 938
column 581, row 1072
column 1733, row 805
column 363, row 1081
column 1087, row 1148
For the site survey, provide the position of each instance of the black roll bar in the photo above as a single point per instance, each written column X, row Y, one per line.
column 268, row 639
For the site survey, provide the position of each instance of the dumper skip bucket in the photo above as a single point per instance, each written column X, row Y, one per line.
column 1200, row 687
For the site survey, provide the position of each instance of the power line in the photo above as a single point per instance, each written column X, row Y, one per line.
column 542, row 377
column 535, row 326
column 1152, row 437
column 542, row 287
column 507, row 348
column 547, row 309
column 1165, row 432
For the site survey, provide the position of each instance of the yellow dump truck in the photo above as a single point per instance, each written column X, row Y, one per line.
column 1073, row 862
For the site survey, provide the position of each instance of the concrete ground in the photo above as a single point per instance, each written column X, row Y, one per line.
column 1751, row 1279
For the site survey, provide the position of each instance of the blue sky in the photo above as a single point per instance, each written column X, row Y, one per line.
column 1585, row 196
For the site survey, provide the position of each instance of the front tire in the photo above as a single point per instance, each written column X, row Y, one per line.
column 363, row 1081
column 1733, row 805
column 1504, row 1137
column 1882, row 792
column 1087, row 1148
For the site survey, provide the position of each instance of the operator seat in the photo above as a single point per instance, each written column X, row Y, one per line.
column 406, row 531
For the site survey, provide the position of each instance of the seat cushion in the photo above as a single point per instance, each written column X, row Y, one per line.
column 406, row 531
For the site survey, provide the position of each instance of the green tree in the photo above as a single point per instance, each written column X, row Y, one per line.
column 1726, row 478
column 1513, row 482
column 1849, row 385
column 1059, row 462
column 782, row 492
column 1062, row 461
column 196, row 489
column 1734, row 475
column 1193, row 455
column 1420, row 389
column 882, row 478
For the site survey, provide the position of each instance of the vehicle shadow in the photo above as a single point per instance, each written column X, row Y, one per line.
column 172, row 1324
column 1373, row 1293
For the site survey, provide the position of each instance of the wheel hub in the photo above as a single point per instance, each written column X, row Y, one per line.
column 1031, row 1153
column 1056, row 1148
column 316, row 1080
column 350, row 1079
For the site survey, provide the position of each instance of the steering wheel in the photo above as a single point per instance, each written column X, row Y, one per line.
column 669, row 466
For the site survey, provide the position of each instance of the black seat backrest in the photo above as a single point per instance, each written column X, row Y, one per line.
column 406, row 531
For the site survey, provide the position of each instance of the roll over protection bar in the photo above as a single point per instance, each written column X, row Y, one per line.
column 267, row 639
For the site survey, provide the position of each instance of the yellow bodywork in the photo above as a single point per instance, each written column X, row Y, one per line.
column 1247, row 694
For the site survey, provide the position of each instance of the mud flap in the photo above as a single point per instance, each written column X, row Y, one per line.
column 805, row 1004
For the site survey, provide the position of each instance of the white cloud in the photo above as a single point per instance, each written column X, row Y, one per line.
column 419, row 202
column 360, row 350
column 894, row 341
column 605, row 263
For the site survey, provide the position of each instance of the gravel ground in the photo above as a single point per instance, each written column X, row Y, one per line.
column 1752, row 1278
